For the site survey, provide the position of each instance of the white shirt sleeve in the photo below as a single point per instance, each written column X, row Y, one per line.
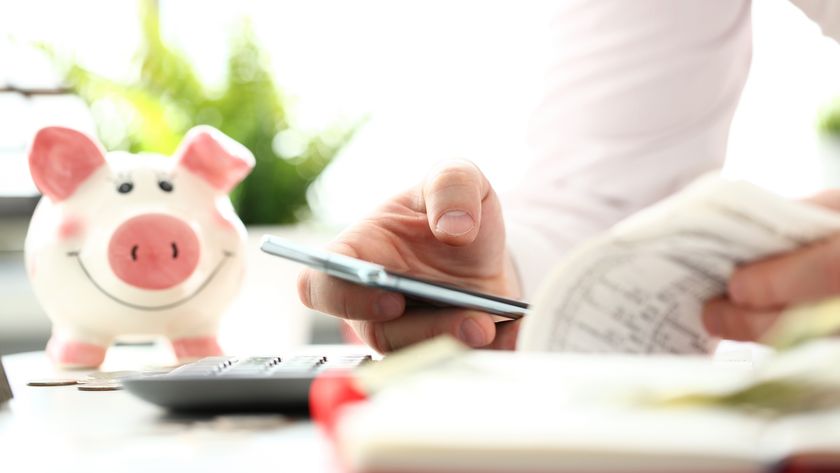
column 639, row 99
column 825, row 13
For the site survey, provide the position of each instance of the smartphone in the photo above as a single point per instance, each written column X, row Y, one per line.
column 370, row 274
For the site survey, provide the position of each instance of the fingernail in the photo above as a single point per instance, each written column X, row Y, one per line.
column 455, row 223
column 471, row 333
column 389, row 305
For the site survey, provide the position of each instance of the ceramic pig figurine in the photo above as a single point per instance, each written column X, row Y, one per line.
column 125, row 244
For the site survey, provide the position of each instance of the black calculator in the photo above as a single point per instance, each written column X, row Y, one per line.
column 242, row 384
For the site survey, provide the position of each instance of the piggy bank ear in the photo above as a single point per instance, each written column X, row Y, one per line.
column 215, row 157
column 61, row 159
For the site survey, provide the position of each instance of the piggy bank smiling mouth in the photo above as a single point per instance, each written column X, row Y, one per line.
column 225, row 256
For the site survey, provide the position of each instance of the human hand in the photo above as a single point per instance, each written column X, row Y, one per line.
column 448, row 229
column 758, row 292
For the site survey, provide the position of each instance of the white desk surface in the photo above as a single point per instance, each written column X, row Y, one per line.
column 62, row 429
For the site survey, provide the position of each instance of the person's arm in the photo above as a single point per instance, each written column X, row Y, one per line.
column 826, row 13
column 639, row 99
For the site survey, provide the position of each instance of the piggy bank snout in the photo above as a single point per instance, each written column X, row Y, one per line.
column 153, row 251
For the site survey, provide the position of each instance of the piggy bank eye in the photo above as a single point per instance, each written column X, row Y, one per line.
column 165, row 186
column 125, row 187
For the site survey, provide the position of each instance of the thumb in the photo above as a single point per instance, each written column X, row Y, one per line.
column 452, row 195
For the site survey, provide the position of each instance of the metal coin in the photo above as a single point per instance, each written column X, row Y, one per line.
column 108, row 375
column 100, row 387
column 53, row 382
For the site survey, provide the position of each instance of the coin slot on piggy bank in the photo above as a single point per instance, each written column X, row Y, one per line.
column 134, row 244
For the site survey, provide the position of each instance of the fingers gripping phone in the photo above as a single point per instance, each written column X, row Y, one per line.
column 370, row 274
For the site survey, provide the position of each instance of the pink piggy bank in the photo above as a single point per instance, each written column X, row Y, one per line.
column 125, row 244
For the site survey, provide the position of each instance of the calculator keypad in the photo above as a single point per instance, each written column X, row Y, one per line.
column 228, row 366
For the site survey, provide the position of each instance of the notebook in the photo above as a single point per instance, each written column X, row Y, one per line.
column 487, row 411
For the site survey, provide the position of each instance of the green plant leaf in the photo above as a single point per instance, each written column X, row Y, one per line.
column 828, row 121
column 150, row 124
column 153, row 112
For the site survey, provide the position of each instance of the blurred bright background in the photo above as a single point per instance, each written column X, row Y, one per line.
column 418, row 82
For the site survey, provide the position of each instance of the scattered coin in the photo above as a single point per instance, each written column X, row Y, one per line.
column 246, row 422
column 53, row 382
column 104, row 386
column 98, row 377
column 95, row 381
column 103, row 375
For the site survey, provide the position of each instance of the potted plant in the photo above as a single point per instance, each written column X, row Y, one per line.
column 152, row 112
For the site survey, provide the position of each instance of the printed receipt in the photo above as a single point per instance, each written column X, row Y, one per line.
column 640, row 287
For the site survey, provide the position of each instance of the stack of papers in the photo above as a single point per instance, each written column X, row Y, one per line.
column 640, row 287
